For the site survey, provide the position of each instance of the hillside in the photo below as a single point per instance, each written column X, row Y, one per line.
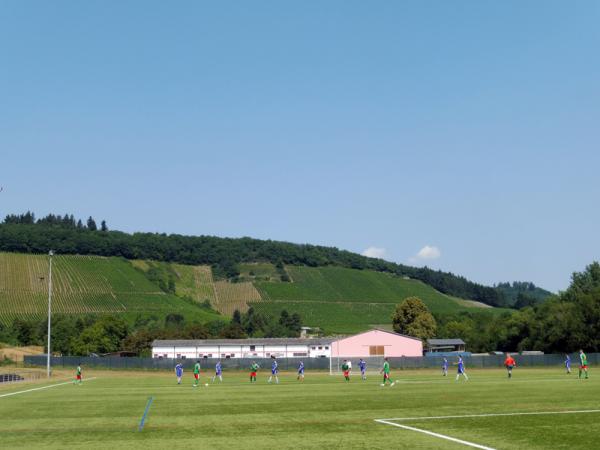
column 26, row 234
column 345, row 300
column 84, row 285
column 337, row 299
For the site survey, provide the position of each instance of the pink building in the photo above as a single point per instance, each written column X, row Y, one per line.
column 376, row 343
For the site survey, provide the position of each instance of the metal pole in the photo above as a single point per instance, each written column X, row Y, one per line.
column 50, row 253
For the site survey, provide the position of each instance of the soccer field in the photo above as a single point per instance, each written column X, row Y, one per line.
column 322, row 412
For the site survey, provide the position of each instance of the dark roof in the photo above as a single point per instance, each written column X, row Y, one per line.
column 255, row 341
column 445, row 342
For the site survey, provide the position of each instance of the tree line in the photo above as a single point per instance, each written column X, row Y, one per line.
column 520, row 294
column 63, row 234
column 565, row 322
column 101, row 334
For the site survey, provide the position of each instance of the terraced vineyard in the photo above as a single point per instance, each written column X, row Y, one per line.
column 259, row 272
column 82, row 285
column 339, row 300
column 346, row 300
column 232, row 296
column 196, row 282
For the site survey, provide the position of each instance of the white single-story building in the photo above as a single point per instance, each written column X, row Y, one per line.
column 367, row 344
column 242, row 348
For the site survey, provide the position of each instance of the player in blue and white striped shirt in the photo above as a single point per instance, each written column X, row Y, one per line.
column 179, row 372
column 301, row 371
column 568, row 364
column 218, row 372
column 274, row 371
column 362, row 364
column 461, row 369
column 445, row 366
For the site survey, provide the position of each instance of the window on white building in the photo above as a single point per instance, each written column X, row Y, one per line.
column 253, row 348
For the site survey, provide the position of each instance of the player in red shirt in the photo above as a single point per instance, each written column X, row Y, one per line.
column 509, row 363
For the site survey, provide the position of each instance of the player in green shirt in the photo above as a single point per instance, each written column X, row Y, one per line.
column 196, row 373
column 583, row 364
column 386, row 372
column 346, row 370
column 253, row 369
column 78, row 375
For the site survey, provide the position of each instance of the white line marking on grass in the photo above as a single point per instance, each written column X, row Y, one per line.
column 479, row 381
column 466, row 416
column 43, row 387
column 437, row 435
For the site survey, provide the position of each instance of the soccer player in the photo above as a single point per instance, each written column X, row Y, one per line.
column 274, row 370
column 362, row 364
column 386, row 372
column 218, row 372
column 179, row 372
column 346, row 370
column 253, row 369
column 78, row 374
column 445, row 367
column 583, row 364
column 568, row 364
column 509, row 363
column 196, row 373
column 301, row 371
column 461, row 369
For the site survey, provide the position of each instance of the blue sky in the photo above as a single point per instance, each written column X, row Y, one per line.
column 462, row 135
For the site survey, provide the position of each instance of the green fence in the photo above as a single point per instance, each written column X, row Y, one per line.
column 472, row 361
column 168, row 364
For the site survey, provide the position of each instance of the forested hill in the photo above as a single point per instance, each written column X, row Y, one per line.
column 63, row 234
column 520, row 294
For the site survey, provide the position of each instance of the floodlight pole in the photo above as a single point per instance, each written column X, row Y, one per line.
column 50, row 254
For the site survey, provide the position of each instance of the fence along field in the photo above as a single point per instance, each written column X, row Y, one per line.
column 81, row 285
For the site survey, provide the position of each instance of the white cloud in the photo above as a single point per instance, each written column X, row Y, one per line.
column 374, row 252
column 427, row 253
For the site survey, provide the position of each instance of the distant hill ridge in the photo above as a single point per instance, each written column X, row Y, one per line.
column 63, row 234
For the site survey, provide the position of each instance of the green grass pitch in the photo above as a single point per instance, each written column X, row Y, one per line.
column 323, row 412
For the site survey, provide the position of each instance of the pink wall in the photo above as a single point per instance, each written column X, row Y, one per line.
column 394, row 344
